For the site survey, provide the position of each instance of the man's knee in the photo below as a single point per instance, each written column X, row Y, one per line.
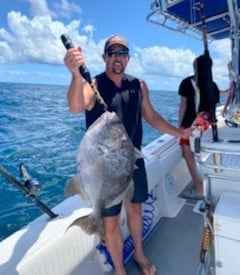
column 186, row 151
column 133, row 209
column 111, row 223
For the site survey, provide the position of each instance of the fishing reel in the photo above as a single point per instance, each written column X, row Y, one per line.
column 29, row 188
column 33, row 186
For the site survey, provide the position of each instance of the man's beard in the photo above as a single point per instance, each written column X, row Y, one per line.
column 118, row 70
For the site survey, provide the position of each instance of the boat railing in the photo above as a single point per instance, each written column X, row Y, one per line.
column 161, row 17
column 219, row 170
column 185, row 17
column 219, row 159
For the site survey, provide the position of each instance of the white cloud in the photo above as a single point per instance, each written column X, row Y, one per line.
column 221, row 54
column 65, row 9
column 38, row 8
column 161, row 67
column 37, row 39
column 165, row 61
column 56, row 9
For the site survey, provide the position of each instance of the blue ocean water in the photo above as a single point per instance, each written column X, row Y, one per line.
column 36, row 128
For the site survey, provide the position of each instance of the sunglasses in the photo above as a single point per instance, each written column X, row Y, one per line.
column 114, row 53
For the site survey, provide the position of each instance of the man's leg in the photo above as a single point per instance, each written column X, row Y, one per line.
column 114, row 242
column 134, row 219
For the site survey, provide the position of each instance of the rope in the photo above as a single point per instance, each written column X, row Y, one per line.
column 98, row 96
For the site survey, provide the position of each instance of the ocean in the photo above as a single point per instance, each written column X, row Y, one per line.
column 37, row 129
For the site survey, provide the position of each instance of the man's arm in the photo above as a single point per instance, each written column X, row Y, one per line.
column 156, row 120
column 80, row 95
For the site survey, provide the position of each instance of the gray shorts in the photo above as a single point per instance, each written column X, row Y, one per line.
column 140, row 189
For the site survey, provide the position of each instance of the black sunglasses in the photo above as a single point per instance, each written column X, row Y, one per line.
column 114, row 53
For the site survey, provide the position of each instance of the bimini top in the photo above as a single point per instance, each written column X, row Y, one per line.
column 185, row 16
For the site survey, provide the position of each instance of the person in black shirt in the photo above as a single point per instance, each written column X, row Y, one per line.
column 194, row 99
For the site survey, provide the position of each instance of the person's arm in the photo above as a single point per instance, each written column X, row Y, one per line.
column 224, row 92
column 80, row 95
column 156, row 120
column 229, row 99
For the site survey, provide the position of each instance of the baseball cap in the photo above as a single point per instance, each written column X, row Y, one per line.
column 115, row 40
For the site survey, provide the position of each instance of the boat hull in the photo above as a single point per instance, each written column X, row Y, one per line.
column 45, row 247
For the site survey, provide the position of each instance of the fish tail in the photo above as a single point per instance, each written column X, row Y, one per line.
column 90, row 225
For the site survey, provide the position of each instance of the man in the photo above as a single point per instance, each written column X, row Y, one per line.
column 129, row 98
column 194, row 99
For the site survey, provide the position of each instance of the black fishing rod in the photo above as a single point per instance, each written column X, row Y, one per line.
column 207, row 76
column 83, row 70
column 30, row 188
column 67, row 42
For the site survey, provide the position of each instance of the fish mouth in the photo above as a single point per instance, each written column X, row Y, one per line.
column 110, row 115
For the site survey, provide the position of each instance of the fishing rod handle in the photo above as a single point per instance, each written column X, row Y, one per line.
column 67, row 42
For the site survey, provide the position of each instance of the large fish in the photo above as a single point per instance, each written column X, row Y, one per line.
column 106, row 159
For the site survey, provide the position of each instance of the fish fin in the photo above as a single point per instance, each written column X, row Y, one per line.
column 139, row 154
column 90, row 225
column 75, row 186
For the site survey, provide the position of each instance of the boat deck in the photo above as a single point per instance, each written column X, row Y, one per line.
column 174, row 245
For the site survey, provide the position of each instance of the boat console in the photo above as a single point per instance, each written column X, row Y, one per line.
column 217, row 152
column 218, row 165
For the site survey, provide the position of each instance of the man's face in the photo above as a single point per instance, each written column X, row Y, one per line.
column 116, row 59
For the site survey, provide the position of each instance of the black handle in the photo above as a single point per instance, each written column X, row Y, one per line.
column 67, row 42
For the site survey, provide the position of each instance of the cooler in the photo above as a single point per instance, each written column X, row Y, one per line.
column 227, row 234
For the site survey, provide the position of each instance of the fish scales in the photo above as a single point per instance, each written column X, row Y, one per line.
column 106, row 158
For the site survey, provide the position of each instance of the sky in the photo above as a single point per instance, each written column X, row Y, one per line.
column 31, row 50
